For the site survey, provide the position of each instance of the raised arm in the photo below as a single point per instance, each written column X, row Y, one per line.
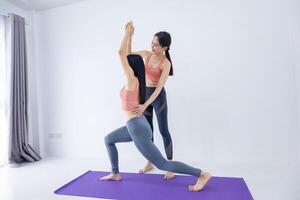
column 142, row 53
column 129, row 41
column 123, row 52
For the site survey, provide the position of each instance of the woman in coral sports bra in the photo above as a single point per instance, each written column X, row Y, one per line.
column 158, row 67
column 137, row 128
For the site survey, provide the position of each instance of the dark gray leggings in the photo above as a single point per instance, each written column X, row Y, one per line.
column 161, row 110
column 138, row 130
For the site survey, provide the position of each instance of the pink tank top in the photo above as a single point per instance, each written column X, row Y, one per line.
column 153, row 73
column 130, row 99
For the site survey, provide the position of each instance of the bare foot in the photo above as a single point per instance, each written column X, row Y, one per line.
column 201, row 182
column 169, row 176
column 113, row 177
column 147, row 168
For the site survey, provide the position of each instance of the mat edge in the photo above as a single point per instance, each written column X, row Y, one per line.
column 72, row 181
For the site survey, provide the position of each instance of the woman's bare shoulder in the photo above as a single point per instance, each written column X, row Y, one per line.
column 143, row 53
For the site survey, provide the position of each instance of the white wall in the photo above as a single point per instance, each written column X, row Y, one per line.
column 232, row 98
column 5, row 8
column 294, row 26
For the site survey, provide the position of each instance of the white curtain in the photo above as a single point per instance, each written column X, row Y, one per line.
column 3, row 97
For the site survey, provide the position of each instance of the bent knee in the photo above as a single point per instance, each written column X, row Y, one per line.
column 107, row 140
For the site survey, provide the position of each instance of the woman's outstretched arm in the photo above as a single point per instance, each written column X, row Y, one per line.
column 123, row 51
column 142, row 53
column 163, row 79
column 129, row 41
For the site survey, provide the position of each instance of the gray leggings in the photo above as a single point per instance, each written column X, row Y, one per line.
column 138, row 130
column 160, row 106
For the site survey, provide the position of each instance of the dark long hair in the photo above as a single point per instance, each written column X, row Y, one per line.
column 137, row 64
column 164, row 39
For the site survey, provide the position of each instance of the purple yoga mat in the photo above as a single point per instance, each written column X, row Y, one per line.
column 153, row 187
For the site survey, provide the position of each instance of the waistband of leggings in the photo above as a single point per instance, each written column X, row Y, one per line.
column 133, row 120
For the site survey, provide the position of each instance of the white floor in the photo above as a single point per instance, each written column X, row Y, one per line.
column 37, row 181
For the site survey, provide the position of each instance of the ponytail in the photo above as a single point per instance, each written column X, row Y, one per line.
column 169, row 58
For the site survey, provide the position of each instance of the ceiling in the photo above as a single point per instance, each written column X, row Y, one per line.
column 41, row 4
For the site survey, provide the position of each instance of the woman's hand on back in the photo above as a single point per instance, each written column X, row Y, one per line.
column 139, row 109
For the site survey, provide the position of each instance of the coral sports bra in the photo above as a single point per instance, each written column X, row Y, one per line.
column 153, row 73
